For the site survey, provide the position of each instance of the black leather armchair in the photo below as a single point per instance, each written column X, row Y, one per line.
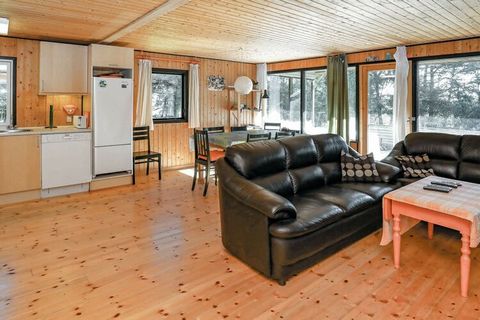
column 283, row 206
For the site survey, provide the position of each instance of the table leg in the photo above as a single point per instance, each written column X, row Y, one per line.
column 396, row 240
column 465, row 264
column 430, row 230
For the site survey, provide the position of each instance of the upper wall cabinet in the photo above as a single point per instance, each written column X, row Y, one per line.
column 63, row 68
column 111, row 56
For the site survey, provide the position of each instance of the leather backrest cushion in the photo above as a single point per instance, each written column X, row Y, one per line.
column 469, row 168
column 300, row 150
column 329, row 147
column 469, row 171
column 332, row 172
column 279, row 183
column 445, row 168
column 307, row 178
column 255, row 159
column 436, row 145
column 470, row 149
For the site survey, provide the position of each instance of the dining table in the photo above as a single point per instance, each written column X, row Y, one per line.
column 223, row 140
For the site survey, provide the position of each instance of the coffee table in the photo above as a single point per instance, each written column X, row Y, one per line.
column 458, row 210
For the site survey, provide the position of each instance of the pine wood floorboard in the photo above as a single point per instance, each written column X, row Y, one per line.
column 153, row 251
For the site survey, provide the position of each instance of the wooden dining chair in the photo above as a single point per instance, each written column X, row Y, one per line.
column 272, row 126
column 283, row 134
column 145, row 156
column 215, row 129
column 251, row 137
column 204, row 157
column 241, row 128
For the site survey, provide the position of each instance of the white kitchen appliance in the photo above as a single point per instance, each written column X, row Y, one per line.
column 80, row 122
column 66, row 161
column 112, row 125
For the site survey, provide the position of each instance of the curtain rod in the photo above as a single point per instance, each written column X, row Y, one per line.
column 146, row 56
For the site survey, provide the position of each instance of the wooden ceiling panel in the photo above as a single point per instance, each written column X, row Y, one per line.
column 250, row 30
column 276, row 30
column 75, row 20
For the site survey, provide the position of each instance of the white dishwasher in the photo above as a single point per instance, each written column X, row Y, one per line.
column 66, row 160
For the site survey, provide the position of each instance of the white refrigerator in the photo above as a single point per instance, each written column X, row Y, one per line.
column 112, row 125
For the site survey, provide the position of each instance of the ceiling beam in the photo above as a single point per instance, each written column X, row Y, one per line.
column 159, row 11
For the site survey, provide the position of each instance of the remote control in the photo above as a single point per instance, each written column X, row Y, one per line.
column 450, row 184
column 436, row 187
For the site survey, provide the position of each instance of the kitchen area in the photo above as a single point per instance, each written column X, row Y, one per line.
column 85, row 140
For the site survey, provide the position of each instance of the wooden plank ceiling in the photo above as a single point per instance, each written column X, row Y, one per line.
column 251, row 30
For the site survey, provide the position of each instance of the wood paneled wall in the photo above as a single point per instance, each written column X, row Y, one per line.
column 415, row 51
column 32, row 109
column 173, row 139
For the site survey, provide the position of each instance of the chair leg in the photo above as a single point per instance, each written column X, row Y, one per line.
column 194, row 176
column 207, row 176
column 216, row 177
column 160, row 167
column 133, row 172
column 148, row 166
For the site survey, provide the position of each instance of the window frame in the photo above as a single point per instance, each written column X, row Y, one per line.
column 184, row 74
column 13, row 97
column 415, row 61
column 303, row 92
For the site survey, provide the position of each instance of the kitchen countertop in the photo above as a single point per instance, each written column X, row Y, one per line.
column 43, row 130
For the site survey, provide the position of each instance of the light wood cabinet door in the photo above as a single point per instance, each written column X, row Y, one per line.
column 111, row 56
column 63, row 68
column 19, row 163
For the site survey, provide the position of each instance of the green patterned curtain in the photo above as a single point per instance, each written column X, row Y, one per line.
column 337, row 95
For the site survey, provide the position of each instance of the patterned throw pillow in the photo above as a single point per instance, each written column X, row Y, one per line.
column 416, row 166
column 361, row 169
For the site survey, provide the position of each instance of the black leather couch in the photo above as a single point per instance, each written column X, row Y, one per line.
column 452, row 156
column 283, row 206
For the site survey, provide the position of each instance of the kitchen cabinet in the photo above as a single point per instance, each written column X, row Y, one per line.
column 111, row 56
column 63, row 68
column 19, row 163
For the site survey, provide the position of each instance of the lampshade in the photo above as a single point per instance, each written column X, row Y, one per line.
column 243, row 85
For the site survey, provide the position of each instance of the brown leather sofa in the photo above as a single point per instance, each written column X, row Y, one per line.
column 283, row 206
column 451, row 156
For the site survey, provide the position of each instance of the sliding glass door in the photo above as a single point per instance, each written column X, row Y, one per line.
column 377, row 90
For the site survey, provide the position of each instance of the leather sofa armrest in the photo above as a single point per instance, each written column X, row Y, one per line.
column 397, row 150
column 387, row 172
column 252, row 195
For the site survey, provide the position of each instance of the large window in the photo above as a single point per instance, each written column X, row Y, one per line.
column 7, row 112
column 284, row 105
column 169, row 95
column 448, row 95
column 285, row 97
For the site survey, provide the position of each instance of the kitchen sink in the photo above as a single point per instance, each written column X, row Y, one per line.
column 14, row 131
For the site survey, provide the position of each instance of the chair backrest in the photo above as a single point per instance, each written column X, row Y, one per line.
column 258, row 136
column 215, row 129
column 242, row 128
column 283, row 134
column 272, row 126
column 202, row 148
column 142, row 133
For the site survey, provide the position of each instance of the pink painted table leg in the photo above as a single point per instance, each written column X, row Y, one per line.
column 465, row 264
column 396, row 239
column 430, row 230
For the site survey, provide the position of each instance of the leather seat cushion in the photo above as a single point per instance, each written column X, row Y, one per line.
column 312, row 214
column 318, row 208
column 374, row 190
column 351, row 201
